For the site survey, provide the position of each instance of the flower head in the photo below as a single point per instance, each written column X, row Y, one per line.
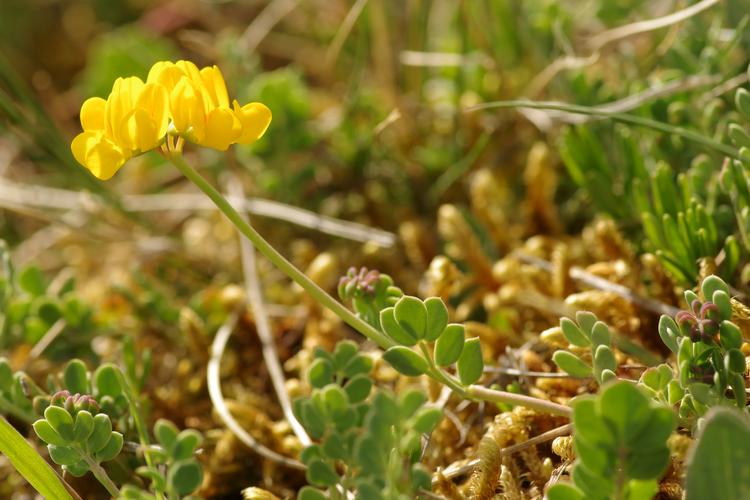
column 177, row 100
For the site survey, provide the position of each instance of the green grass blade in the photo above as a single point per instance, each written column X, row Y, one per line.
column 29, row 464
column 689, row 135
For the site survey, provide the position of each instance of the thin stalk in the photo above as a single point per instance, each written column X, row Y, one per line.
column 472, row 392
column 132, row 398
column 542, row 405
column 279, row 260
column 690, row 135
column 101, row 475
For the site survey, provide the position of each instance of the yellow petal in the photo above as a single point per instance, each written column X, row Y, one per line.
column 255, row 118
column 222, row 129
column 155, row 101
column 165, row 73
column 121, row 102
column 92, row 113
column 98, row 154
column 190, row 70
column 187, row 110
column 215, row 86
column 138, row 132
column 81, row 145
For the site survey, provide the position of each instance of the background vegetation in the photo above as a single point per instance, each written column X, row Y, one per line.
column 382, row 155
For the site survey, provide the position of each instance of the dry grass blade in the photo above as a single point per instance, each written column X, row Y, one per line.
column 263, row 326
column 217, row 398
column 460, row 470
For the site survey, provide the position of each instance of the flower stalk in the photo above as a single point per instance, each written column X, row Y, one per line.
column 475, row 392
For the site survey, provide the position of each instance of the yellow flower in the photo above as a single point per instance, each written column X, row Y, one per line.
column 133, row 119
column 177, row 99
column 200, row 106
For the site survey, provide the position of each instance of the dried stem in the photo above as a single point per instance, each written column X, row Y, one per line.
column 263, row 327
column 217, row 398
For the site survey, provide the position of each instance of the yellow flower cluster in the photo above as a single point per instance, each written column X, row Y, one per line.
column 177, row 100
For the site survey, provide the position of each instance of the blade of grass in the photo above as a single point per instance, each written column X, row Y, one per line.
column 29, row 464
column 640, row 121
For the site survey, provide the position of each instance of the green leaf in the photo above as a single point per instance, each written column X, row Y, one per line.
column 320, row 373
column 345, row 350
column 47, row 434
column 711, row 284
column 647, row 464
column 111, row 449
column 84, row 426
column 586, row 321
column 358, row 388
column 564, row 491
column 426, row 419
column 393, row 329
column 571, row 364
column 185, row 476
column 410, row 401
column 321, row 473
column 32, row 281
column 187, row 442
column 742, row 101
column 638, row 489
column 359, row 364
column 311, row 452
column 336, row 400
column 420, row 478
column 77, row 469
column 437, row 318
column 29, row 464
column 411, row 314
column 669, row 332
column 600, row 334
column 626, row 407
column 334, row 446
column 573, row 334
column 107, row 380
column 76, row 377
column 406, row 361
column 310, row 493
column 449, row 345
column 589, row 425
column 738, row 135
column 730, row 335
column 722, row 301
column 63, row 455
column 101, row 434
column 717, row 463
column 369, row 456
column 312, row 419
column 470, row 365
column 61, row 421
column 166, row 434
column 592, row 485
column 152, row 474
column 604, row 359
column 734, row 361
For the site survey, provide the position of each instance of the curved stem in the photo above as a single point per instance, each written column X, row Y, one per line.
column 687, row 134
column 542, row 405
column 101, row 475
column 274, row 256
column 472, row 392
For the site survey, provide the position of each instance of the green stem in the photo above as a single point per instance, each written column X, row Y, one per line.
column 471, row 392
column 132, row 398
column 621, row 117
column 101, row 475
column 542, row 405
column 279, row 260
